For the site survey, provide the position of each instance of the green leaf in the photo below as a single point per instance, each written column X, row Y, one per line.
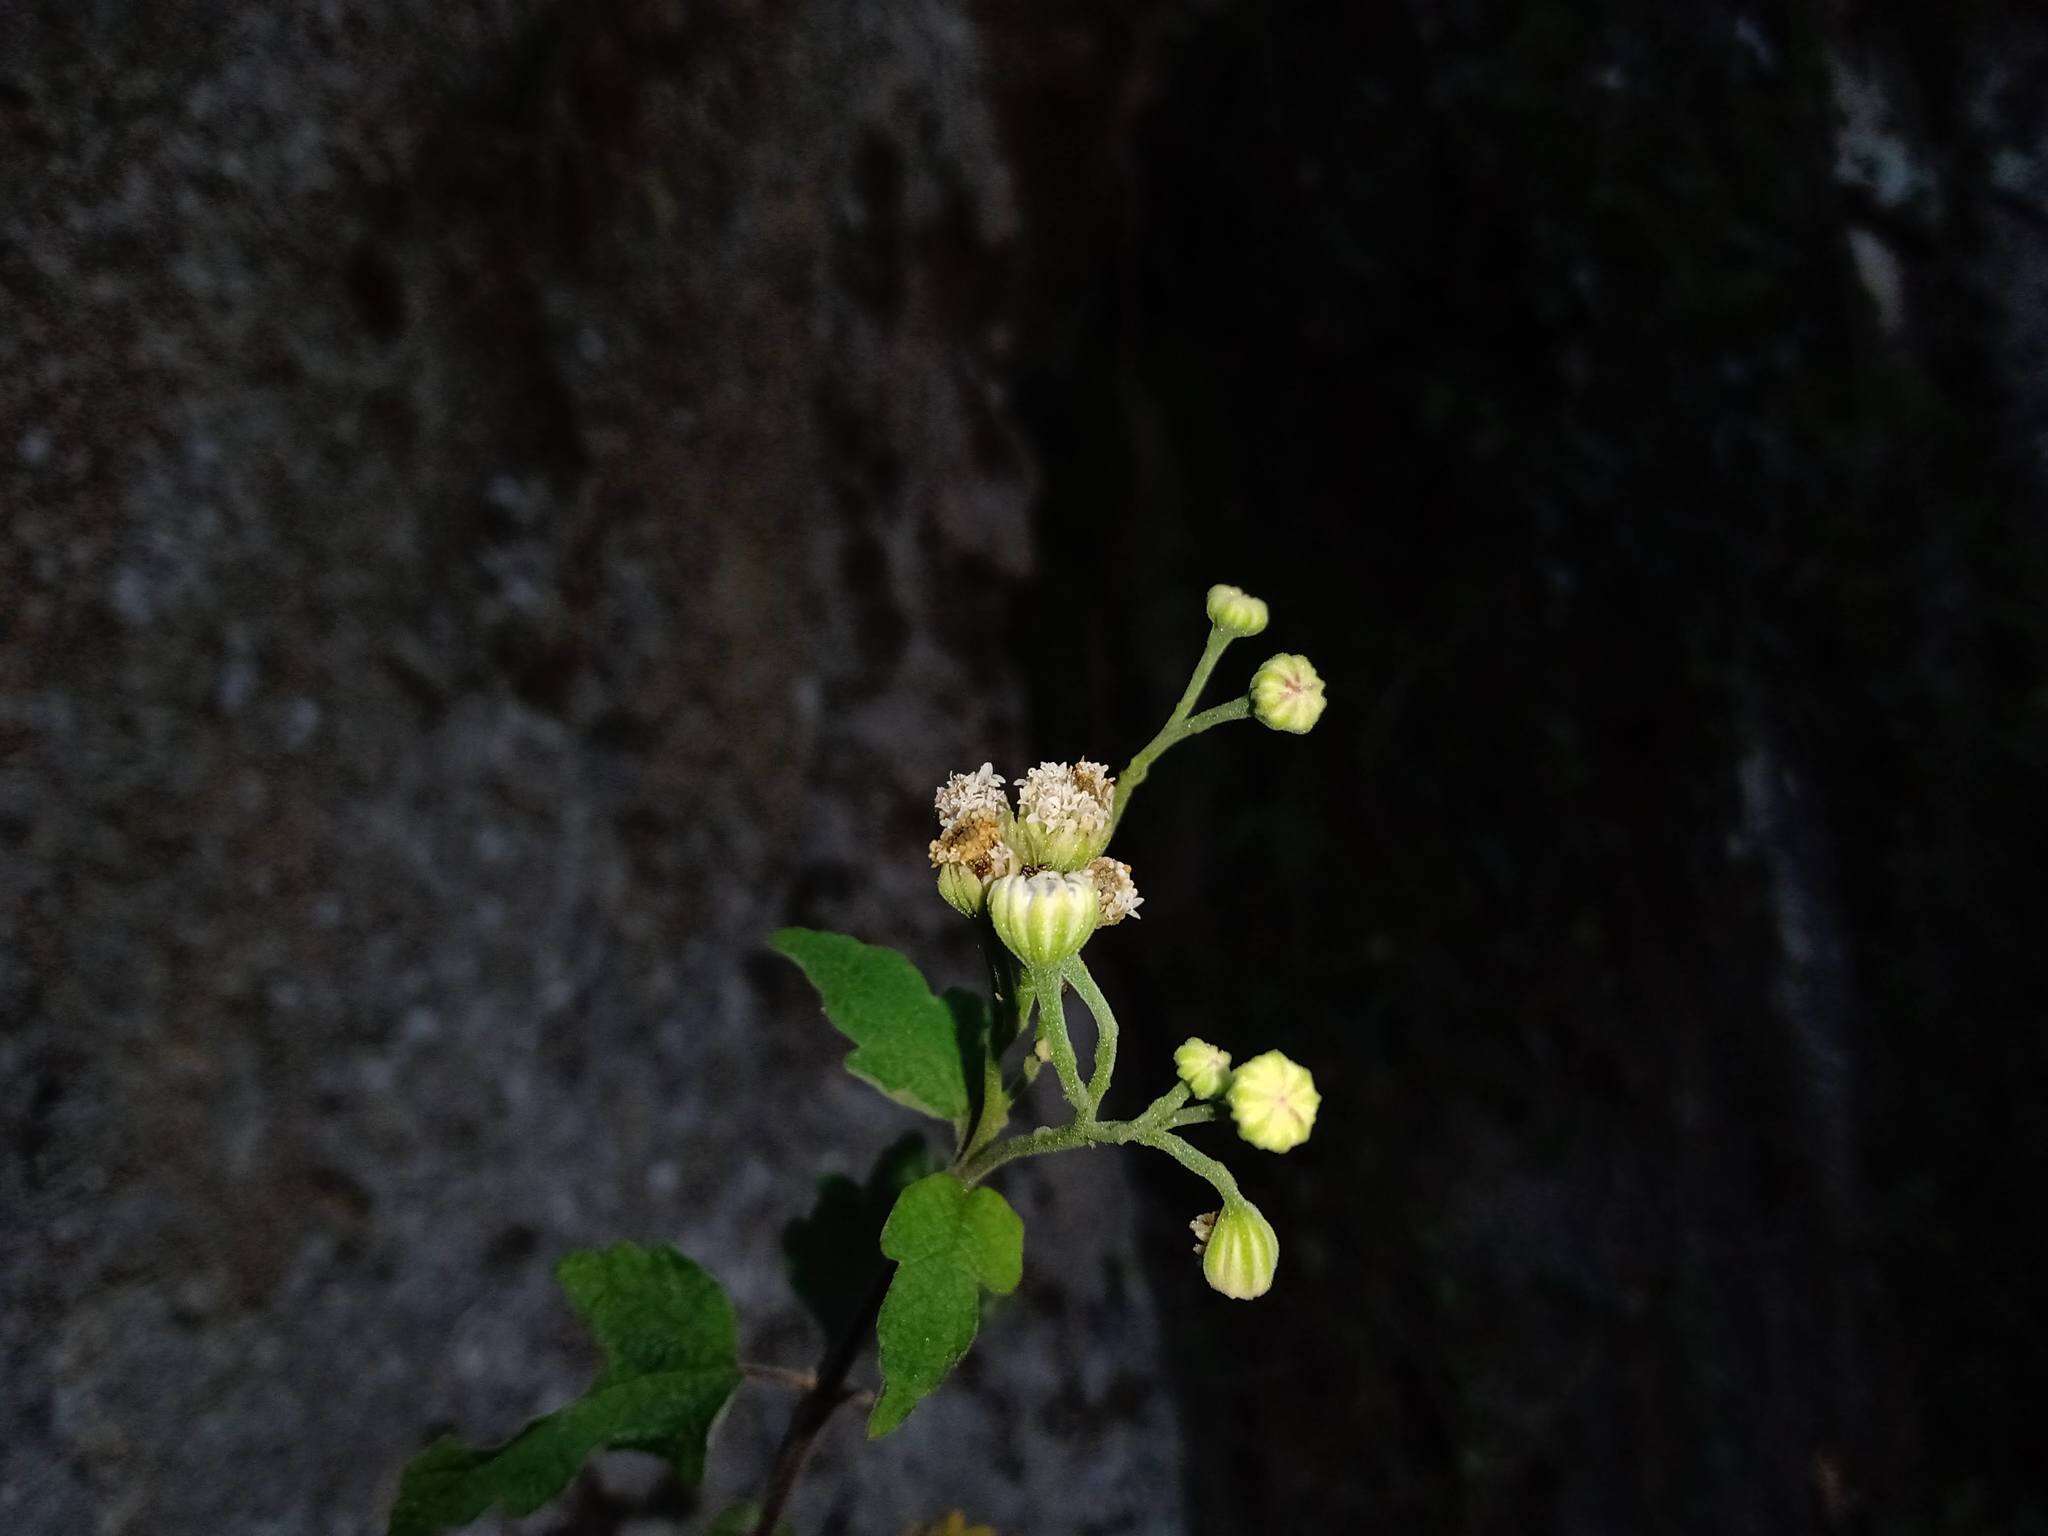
column 905, row 1039
column 831, row 1252
column 671, row 1362
column 950, row 1244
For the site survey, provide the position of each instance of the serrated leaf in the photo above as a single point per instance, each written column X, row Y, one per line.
column 671, row 1362
column 905, row 1039
column 950, row 1243
column 831, row 1252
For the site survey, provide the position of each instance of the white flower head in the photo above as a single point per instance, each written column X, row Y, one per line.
column 1115, row 891
column 1064, row 814
column 965, row 794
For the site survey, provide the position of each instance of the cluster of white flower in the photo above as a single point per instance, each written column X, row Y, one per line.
column 1062, row 822
column 1115, row 891
column 1068, row 800
column 964, row 794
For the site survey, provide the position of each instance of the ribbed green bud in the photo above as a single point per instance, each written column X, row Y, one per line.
column 1045, row 917
column 1203, row 1067
column 1236, row 612
column 964, row 890
column 1274, row 1102
column 1287, row 694
column 1242, row 1252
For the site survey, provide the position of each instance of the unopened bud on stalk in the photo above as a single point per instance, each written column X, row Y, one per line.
column 1274, row 1102
column 1236, row 612
column 1240, row 1251
column 1287, row 695
column 1043, row 918
column 1203, row 1067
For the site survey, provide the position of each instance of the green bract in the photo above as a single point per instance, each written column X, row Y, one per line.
column 1242, row 1253
column 1044, row 918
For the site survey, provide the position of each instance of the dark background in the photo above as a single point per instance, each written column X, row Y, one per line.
column 503, row 505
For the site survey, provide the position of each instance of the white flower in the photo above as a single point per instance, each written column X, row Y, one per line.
column 1063, row 814
column 964, row 794
column 1115, row 891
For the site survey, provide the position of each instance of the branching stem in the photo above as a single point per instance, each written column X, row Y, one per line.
column 1178, row 725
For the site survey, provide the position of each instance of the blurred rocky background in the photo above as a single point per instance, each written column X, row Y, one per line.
column 503, row 504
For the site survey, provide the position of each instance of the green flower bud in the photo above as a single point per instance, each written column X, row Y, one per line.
column 1045, row 917
column 1236, row 612
column 1287, row 694
column 1063, row 815
column 965, row 891
column 1204, row 1068
column 1240, row 1251
column 1274, row 1102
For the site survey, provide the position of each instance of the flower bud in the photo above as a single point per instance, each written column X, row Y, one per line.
column 1287, row 694
column 1116, row 893
column 1273, row 1102
column 1240, row 1251
column 1236, row 612
column 1063, row 815
column 1045, row 917
column 1203, row 1067
column 964, row 891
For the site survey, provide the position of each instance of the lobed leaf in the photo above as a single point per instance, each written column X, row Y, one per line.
column 671, row 1363
column 905, row 1040
column 950, row 1244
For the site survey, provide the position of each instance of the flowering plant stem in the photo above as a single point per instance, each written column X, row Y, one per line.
column 1052, row 1027
column 1105, row 1031
column 1179, row 726
column 1037, row 880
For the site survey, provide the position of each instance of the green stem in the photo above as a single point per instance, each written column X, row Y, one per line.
column 1178, row 726
column 1197, row 1163
column 1158, row 1111
column 1105, row 1029
column 1201, row 1114
column 1236, row 709
column 1052, row 1024
column 1051, row 1138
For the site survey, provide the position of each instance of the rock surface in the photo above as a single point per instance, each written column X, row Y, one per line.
column 505, row 505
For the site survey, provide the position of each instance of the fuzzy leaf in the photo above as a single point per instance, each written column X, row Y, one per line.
column 831, row 1252
column 671, row 1362
column 950, row 1244
column 905, row 1038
